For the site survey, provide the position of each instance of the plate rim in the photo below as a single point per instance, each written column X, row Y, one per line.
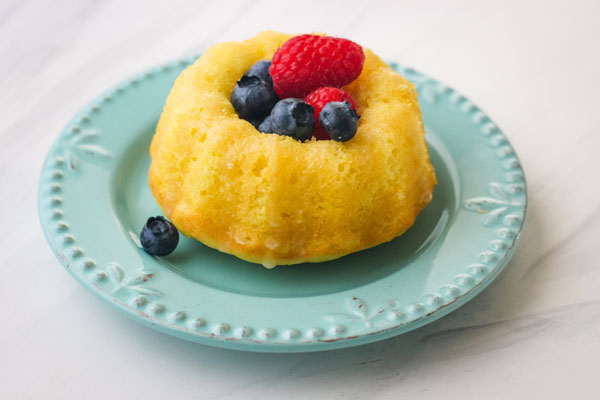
column 223, row 336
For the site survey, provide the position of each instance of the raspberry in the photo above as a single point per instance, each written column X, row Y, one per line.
column 318, row 98
column 307, row 62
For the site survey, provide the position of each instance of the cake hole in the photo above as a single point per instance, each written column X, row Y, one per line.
column 235, row 168
column 199, row 137
column 259, row 165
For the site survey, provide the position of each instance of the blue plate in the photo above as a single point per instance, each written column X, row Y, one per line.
column 94, row 198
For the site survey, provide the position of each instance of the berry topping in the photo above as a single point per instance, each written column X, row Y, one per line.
column 293, row 117
column 339, row 120
column 261, row 69
column 318, row 98
column 159, row 236
column 253, row 98
column 265, row 126
column 307, row 62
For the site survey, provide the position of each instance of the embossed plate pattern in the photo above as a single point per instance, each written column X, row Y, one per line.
column 94, row 198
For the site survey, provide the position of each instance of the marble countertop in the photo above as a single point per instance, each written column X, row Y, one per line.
column 534, row 333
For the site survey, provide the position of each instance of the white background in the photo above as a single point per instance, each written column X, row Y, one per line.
column 535, row 333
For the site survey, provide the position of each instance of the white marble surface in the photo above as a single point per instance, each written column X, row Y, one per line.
column 535, row 333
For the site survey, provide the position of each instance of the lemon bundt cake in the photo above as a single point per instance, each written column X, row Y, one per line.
column 272, row 199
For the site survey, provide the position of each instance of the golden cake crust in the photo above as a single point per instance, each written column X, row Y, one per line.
column 272, row 200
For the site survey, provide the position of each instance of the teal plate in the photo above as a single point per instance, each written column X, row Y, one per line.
column 94, row 198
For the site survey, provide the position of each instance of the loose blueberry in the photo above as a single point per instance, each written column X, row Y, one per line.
column 265, row 126
column 293, row 117
column 261, row 69
column 253, row 98
column 159, row 236
column 339, row 120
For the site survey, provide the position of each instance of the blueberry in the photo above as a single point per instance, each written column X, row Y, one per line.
column 261, row 69
column 293, row 117
column 256, row 122
column 159, row 237
column 265, row 126
column 253, row 98
column 339, row 120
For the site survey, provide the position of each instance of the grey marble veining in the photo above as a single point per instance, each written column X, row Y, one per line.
column 535, row 332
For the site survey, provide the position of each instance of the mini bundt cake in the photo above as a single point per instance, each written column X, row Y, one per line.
column 273, row 200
